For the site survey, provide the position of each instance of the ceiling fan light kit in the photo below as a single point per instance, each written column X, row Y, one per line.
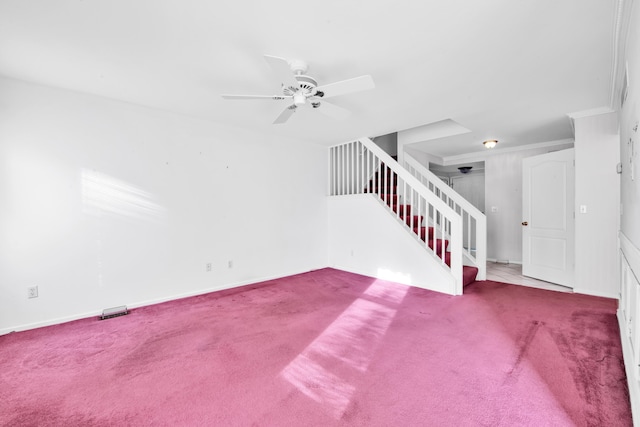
column 298, row 88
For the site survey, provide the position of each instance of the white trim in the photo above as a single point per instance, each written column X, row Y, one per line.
column 504, row 261
column 592, row 293
column 589, row 113
column 502, row 149
column 435, row 130
column 631, row 253
column 97, row 313
column 632, row 256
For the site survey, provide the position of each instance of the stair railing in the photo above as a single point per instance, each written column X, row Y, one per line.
column 474, row 222
column 360, row 167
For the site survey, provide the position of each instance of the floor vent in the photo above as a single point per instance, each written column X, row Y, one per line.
column 108, row 313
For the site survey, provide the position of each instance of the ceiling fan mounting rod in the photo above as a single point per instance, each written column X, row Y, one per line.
column 298, row 66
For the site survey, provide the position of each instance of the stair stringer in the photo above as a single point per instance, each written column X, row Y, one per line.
column 365, row 239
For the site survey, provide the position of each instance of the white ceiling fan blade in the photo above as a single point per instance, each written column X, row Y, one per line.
column 344, row 87
column 333, row 110
column 283, row 70
column 273, row 97
column 286, row 113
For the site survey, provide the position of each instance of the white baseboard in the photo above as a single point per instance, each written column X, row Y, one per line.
column 78, row 316
column 396, row 279
column 49, row 322
column 504, row 261
column 611, row 295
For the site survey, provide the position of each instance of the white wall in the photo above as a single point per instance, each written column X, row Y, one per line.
column 366, row 239
column 420, row 135
column 104, row 203
column 629, row 311
column 597, row 184
column 422, row 157
column 503, row 191
column 389, row 143
column 629, row 119
column 403, row 140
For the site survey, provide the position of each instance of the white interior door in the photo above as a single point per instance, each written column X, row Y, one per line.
column 548, row 188
column 471, row 187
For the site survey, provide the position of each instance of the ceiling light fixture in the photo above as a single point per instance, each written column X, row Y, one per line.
column 490, row 143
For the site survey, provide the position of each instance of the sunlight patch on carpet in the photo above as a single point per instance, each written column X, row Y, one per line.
column 394, row 294
column 345, row 348
column 317, row 383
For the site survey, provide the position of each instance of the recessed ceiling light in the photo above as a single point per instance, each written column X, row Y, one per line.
column 490, row 143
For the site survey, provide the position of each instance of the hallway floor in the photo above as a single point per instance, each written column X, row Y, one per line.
column 512, row 273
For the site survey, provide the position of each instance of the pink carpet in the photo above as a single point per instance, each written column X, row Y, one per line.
column 327, row 348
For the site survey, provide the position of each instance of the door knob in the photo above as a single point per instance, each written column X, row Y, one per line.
column 525, row 223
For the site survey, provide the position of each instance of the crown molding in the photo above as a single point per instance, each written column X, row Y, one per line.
column 592, row 112
column 480, row 156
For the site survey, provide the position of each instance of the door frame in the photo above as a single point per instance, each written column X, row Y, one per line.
column 548, row 230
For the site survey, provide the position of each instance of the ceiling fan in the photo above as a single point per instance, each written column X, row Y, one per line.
column 300, row 89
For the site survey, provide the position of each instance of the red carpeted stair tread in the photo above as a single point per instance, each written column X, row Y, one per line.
column 422, row 232
column 390, row 199
column 414, row 220
column 381, row 179
column 469, row 274
column 438, row 243
column 404, row 210
column 390, row 189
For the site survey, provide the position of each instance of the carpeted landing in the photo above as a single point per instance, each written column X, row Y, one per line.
column 327, row 348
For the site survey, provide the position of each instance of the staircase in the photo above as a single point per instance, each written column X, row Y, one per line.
column 386, row 187
column 362, row 167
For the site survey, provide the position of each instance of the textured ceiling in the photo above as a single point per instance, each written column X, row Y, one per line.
column 510, row 70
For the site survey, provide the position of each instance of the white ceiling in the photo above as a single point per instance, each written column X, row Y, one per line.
column 503, row 69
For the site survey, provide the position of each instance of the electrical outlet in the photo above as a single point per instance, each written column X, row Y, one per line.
column 32, row 292
column 230, row 264
column 208, row 266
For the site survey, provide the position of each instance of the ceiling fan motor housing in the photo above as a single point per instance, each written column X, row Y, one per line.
column 307, row 85
column 307, row 88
